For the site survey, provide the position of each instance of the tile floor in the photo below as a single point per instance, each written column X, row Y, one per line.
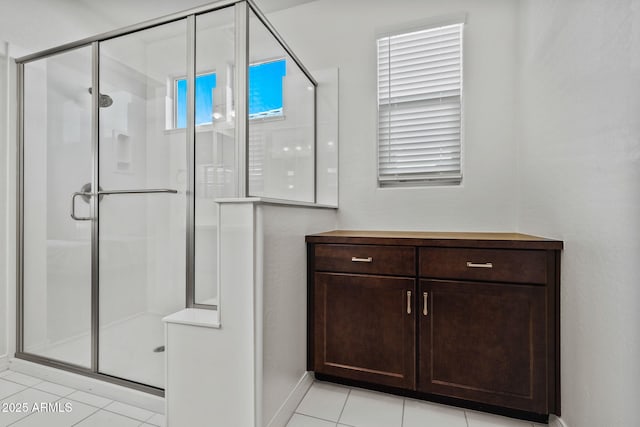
column 87, row 410
column 331, row 405
column 325, row 405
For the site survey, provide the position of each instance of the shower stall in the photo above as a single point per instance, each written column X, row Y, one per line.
column 126, row 140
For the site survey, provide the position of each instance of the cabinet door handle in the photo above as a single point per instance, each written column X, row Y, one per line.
column 408, row 302
column 425, row 309
column 479, row 265
column 356, row 259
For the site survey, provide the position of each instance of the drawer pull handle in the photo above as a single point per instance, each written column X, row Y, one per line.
column 408, row 302
column 356, row 259
column 425, row 310
column 478, row 265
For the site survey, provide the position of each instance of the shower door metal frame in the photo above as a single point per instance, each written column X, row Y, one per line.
column 242, row 8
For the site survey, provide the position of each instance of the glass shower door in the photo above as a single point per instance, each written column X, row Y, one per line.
column 142, row 211
column 56, row 247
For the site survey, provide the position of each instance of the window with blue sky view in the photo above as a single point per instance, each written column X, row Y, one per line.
column 265, row 94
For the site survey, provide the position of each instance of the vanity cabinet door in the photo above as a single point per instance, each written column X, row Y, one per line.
column 365, row 328
column 484, row 342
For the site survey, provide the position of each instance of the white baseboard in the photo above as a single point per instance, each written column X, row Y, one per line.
column 556, row 421
column 4, row 363
column 90, row 385
column 286, row 410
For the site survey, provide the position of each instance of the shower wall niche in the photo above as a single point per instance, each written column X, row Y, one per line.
column 127, row 140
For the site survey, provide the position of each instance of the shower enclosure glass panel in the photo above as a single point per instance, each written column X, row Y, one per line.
column 142, row 156
column 281, row 142
column 126, row 140
column 215, row 146
column 57, row 249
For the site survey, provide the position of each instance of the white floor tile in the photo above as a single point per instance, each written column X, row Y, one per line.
column 89, row 399
column 23, row 379
column 104, row 418
column 78, row 411
column 20, row 405
column 54, row 388
column 421, row 414
column 157, row 420
column 370, row 409
column 324, row 401
column 129, row 411
column 479, row 419
column 299, row 420
column 7, row 388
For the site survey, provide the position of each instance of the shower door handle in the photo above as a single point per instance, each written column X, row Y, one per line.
column 140, row 191
column 112, row 192
column 73, row 206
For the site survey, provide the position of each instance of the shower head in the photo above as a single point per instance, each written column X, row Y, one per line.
column 105, row 100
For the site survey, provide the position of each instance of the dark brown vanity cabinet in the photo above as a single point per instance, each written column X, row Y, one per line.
column 365, row 329
column 483, row 342
column 469, row 317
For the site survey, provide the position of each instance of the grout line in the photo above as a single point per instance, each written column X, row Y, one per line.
column 466, row 418
column 344, row 405
column 90, row 415
column 314, row 417
column 301, row 400
column 104, row 408
column 126, row 416
column 404, row 400
column 306, row 392
column 89, row 404
column 153, row 414
column 24, row 385
column 13, row 394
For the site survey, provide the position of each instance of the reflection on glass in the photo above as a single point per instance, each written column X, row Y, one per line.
column 281, row 121
column 215, row 143
column 57, row 249
column 142, row 237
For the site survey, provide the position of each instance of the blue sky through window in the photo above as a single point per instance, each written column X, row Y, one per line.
column 205, row 84
column 265, row 88
column 265, row 93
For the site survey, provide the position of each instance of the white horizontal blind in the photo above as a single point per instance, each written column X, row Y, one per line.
column 419, row 106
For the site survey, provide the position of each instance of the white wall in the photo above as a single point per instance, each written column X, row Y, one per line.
column 329, row 33
column 579, row 173
column 3, row 191
column 36, row 25
column 285, row 297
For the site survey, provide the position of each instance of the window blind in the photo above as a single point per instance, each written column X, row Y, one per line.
column 419, row 106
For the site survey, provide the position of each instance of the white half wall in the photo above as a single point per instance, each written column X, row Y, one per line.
column 334, row 33
column 579, row 176
column 284, row 291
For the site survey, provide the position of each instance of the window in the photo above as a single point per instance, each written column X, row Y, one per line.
column 205, row 84
column 265, row 89
column 419, row 107
column 265, row 94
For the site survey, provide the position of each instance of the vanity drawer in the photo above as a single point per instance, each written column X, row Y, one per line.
column 370, row 259
column 498, row 265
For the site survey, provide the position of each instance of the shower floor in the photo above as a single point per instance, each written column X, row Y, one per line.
column 126, row 349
